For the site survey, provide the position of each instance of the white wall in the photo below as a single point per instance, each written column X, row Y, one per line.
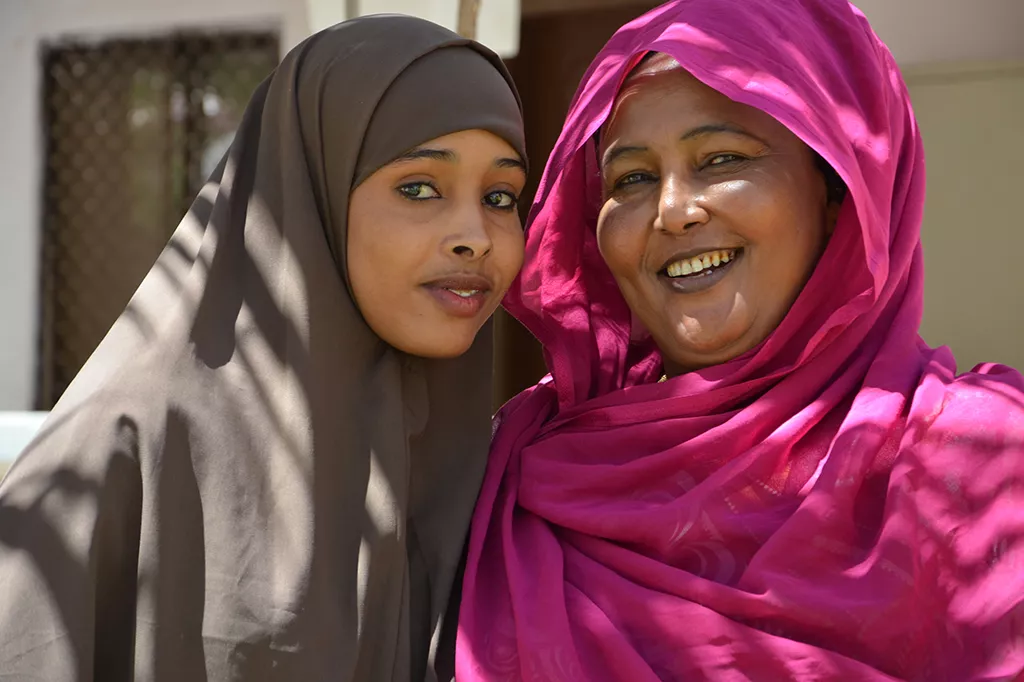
column 923, row 32
column 972, row 122
column 19, row 204
column 24, row 26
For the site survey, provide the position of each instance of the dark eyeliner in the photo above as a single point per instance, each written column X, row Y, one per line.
column 405, row 195
column 640, row 175
column 511, row 207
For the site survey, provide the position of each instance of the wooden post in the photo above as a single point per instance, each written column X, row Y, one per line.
column 469, row 10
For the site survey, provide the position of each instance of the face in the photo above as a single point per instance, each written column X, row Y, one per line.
column 714, row 215
column 434, row 241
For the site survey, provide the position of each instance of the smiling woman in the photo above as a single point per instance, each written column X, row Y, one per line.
column 714, row 218
column 746, row 464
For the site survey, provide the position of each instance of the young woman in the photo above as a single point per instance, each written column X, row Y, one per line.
column 746, row 464
column 266, row 470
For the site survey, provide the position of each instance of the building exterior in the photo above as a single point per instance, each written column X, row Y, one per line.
column 964, row 63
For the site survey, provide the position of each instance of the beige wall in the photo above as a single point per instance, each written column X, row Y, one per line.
column 972, row 121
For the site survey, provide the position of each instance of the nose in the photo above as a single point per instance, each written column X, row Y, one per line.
column 471, row 239
column 680, row 206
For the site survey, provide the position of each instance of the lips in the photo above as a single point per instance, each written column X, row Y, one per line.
column 462, row 283
column 693, row 256
column 460, row 295
column 687, row 273
column 699, row 263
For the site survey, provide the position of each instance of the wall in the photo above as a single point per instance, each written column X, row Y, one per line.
column 19, row 192
column 970, row 120
column 973, row 128
column 25, row 25
column 922, row 32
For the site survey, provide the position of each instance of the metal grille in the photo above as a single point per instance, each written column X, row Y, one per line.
column 133, row 128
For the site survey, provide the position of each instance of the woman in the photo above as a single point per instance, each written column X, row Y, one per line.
column 266, row 471
column 746, row 465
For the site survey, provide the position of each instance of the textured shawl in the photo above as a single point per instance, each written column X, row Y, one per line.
column 836, row 504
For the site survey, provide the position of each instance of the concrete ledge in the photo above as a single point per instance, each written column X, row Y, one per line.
column 17, row 429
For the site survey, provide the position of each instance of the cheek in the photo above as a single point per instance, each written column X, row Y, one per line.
column 621, row 239
column 365, row 263
column 803, row 218
column 383, row 259
column 758, row 209
column 790, row 236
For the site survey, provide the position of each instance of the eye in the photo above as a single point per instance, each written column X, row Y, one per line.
column 634, row 178
column 502, row 200
column 722, row 159
column 419, row 191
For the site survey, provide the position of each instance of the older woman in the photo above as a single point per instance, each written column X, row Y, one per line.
column 746, row 464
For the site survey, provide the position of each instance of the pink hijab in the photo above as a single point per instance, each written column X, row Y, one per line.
column 836, row 504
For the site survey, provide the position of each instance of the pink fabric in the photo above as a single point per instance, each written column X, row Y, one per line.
column 835, row 505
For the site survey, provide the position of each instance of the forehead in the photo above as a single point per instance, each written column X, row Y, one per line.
column 651, row 94
column 660, row 97
column 473, row 141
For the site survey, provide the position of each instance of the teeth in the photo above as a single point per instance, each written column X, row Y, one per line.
column 465, row 293
column 700, row 263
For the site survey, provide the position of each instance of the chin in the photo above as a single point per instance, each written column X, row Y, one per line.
column 697, row 351
column 713, row 348
column 445, row 353
column 440, row 348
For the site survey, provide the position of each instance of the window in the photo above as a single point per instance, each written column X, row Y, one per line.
column 132, row 130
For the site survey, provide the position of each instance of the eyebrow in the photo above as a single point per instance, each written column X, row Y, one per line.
column 613, row 153
column 446, row 155
column 449, row 156
column 712, row 128
column 507, row 162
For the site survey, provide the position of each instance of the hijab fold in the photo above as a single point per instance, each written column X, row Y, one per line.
column 245, row 482
column 836, row 504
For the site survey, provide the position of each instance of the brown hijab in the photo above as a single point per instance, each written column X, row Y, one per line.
column 245, row 482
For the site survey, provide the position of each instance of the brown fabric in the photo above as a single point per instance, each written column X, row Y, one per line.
column 244, row 482
column 442, row 105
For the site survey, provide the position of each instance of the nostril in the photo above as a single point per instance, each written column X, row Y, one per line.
column 463, row 251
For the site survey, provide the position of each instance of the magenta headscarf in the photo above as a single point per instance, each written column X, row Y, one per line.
column 836, row 504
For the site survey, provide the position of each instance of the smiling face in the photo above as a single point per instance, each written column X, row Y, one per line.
column 714, row 215
column 434, row 241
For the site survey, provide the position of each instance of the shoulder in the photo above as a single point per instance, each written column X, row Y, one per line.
column 991, row 392
column 978, row 415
